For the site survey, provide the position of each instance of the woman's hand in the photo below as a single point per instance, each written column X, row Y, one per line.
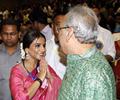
column 43, row 69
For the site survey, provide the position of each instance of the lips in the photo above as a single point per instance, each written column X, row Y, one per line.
column 42, row 54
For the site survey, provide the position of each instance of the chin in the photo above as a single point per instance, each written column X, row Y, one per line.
column 60, row 49
column 40, row 57
column 64, row 51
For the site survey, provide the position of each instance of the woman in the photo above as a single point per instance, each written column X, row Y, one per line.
column 33, row 78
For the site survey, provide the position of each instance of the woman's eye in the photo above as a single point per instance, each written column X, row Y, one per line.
column 44, row 45
column 37, row 45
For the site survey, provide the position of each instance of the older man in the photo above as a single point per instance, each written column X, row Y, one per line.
column 88, row 74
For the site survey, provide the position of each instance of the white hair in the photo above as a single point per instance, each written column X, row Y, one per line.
column 84, row 22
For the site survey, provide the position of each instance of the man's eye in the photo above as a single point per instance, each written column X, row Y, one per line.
column 12, row 33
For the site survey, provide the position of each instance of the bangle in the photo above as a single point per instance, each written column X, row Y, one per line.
column 39, row 80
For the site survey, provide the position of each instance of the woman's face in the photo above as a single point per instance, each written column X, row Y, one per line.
column 37, row 48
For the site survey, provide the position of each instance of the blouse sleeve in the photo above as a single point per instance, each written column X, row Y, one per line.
column 17, row 88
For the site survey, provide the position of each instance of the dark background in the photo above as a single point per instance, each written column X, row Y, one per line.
column 12, row 4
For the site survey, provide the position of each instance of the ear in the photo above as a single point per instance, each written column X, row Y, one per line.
column 69, row 34
column 26, row 50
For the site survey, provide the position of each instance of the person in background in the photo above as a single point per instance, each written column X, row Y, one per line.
column 88, row 75
column 0, row 40
column 39, row 19
column 24, row 27
column 57, row 19
column 33, row 78
column 117, row 19
column 1, row 20
column 58, row 58
column 105, row 42
column 116, row 68
column 9, row 54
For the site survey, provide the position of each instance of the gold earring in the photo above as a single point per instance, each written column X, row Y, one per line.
column 27, row 56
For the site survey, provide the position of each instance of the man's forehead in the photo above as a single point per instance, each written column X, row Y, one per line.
column 60, row 18
column 9, row 27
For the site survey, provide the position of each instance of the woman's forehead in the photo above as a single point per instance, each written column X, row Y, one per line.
column 39, row 40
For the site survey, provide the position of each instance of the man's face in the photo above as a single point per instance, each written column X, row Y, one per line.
column 10, row 35
column 57, row 21
column 38, row 26
column 62, row 36
column 97, row 12
column 35, row 25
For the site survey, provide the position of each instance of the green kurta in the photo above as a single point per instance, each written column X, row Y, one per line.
column 88, row 77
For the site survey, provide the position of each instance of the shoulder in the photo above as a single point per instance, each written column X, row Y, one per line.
column 99, row 71
column 3, row 54
column 97, row 62
column 47, row 28
column 99, row 58
column 16, row 69
column 1, row 47
column 103, row 30
column 50, row 41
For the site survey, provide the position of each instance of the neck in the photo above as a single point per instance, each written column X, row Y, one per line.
column 76, row 47
column 81, row 48
column 11, row 50
column 30, row 64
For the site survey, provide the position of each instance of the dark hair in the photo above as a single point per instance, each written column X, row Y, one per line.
column 57, row 13
column 60, row 11
column 10, row 21
column 39, row 16
column 30, row 36
column 117, row 14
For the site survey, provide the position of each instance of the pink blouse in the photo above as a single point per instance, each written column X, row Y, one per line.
column 20, row 81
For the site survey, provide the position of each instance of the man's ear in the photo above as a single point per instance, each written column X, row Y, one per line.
column 69, row 34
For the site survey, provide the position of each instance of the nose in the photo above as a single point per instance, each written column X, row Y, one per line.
column 43, row 49
column 8, row 36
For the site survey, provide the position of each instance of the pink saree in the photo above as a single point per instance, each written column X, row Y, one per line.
column 20, row 81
